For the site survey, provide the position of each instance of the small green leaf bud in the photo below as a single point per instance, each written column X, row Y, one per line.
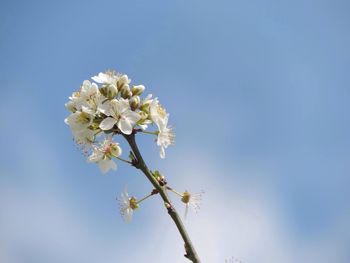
column 156, row 174
column 137, row 90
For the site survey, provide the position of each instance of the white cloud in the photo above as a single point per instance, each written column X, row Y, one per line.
column 239, row 220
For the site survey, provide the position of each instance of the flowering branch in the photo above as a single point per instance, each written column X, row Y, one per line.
column 113, row 108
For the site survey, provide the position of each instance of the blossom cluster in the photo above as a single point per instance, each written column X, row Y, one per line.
column 109, row 105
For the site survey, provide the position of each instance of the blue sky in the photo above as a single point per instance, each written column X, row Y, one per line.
column 257, row 92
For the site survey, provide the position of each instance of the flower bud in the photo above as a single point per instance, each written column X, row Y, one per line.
column 123, row 80
column 125, row 91
column 109, row 90
column 134, row 102
column 137, row 90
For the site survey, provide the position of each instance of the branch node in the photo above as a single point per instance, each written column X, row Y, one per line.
column 169, row 208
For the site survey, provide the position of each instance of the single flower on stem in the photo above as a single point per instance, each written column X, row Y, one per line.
column 192, row 200
column 127, row 205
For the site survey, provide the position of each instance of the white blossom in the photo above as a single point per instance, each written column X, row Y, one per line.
column 108, row 77
column 192, row 200
column 127, row 205
column 119, row 112
column 92, row 98
column 83, row 105
column 79, row 123
column 165, row 135
column 165, row 138
column 102, row 154
column 157, row 113
column 88, row 91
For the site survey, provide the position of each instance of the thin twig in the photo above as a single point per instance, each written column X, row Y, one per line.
column 191, row 253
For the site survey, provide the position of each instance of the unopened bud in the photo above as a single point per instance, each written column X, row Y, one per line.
column 137, row 90
column 123, row 80
column 109, row 90
column 125, row 91
column 134, row 102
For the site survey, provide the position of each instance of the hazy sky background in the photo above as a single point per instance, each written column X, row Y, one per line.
column 258, row 93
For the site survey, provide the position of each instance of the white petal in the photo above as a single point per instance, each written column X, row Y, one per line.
column 143, row 126
column 95, row 157
column 107, row 164
column 118, row 151
column 162, row 122
column 70, row 105
column 125, row 126
column 122, row 105
column 107, row 123
column 186, row 211
column 94, row 87
column 99, row 78
column 148, row 97
column 86, row 83
column 128, row 215
column 88, row 110
column 74, row 123
column 162, row 152
column 132, row 116
column 71, row 119
column 106, row 108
